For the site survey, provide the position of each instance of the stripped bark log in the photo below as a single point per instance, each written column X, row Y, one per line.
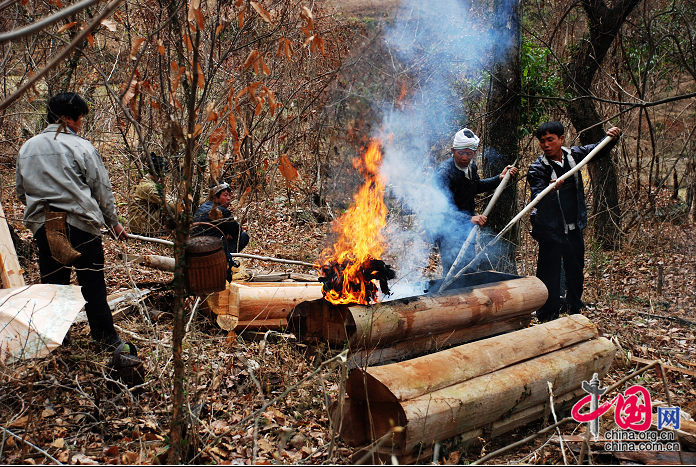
column 383, row 324
column 473, row 404
column 163, row 263
column 402, row 350
column 413, row 378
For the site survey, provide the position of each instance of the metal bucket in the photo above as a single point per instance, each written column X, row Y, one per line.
column 206, row 265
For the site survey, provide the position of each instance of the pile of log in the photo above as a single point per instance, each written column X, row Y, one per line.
column 486, row 387
column 259, row 305
column 403, row 328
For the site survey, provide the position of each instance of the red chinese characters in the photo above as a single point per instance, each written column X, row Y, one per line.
column 632, row 412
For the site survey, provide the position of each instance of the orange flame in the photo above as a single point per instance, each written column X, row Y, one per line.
column 360, row 233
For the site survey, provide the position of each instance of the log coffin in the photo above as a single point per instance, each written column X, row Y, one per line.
column 260, row 305
column 408, row 326
column 494, row 384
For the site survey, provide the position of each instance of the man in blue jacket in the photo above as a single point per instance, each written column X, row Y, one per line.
column 559, row 218
column 217, row 220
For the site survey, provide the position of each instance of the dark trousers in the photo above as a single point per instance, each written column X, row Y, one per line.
column 572, row 251
column 90, row 275
column 236, row 239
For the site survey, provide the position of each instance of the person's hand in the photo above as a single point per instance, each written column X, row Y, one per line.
column 513, row 171
column 119, row 232
column 614, row 132
column 479, row 220
column 559, row 183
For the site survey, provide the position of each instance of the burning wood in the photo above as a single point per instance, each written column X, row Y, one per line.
column 337, row 284
column 352, row 265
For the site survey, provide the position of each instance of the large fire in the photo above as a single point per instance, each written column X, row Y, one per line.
column 352, row 266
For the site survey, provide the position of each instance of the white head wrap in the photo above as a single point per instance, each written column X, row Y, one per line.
column 217, row 189
column 465, row 139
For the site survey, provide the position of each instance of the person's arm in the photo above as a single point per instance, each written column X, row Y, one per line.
column 579, row 152
column 485, row 184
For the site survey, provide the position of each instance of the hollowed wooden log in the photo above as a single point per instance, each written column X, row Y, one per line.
column 434, row 343
column 453, row 316
column 371, row 408
column 259, row 305
column 416, row 377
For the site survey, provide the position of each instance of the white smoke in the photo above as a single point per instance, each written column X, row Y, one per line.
column 439, row 44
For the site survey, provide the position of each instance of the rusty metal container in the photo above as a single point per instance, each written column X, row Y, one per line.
column 206, row 265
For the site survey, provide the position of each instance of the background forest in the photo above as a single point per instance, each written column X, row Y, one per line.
column 277, row 97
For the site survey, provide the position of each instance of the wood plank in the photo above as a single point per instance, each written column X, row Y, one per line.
column 10, row 270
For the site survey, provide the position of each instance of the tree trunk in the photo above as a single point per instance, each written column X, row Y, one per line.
column 604, row 24
column 502, row 125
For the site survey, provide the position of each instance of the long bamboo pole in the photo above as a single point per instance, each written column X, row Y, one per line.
column 472, row 233
column 532, row 203
column 235, row 255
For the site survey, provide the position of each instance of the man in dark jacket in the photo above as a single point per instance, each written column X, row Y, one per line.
column 459, row 177
column 559, row 218
column 218, row 221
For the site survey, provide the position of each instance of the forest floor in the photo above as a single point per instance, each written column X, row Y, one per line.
column 264, row 398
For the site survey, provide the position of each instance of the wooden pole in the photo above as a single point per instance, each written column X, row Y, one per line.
column 234, row 255
column 162, row 263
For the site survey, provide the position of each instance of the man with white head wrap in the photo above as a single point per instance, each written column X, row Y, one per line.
column 459, row 177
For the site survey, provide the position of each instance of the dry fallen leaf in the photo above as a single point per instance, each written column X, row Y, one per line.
column 262, row 13
column 58, row 443
column 82, row 459
column 65, row 27
column 287, row 169
column 137, row 43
